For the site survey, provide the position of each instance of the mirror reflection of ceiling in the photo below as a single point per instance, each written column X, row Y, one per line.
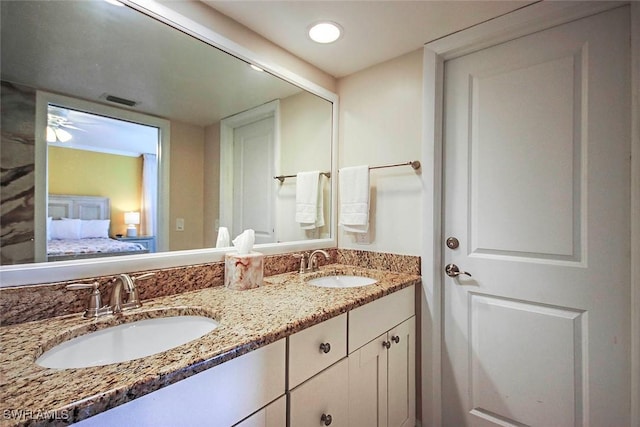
column 163, row 70
column 86, row 131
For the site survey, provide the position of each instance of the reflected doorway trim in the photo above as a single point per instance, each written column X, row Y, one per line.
column 526, row 20
column 227, row 126
column 43, row 99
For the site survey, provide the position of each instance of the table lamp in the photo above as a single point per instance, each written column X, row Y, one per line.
column 132, row 219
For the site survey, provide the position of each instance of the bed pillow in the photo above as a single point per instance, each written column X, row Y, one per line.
column 65, row 229
column 94, row 228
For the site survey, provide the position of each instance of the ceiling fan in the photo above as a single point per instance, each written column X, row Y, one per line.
column 58, row 123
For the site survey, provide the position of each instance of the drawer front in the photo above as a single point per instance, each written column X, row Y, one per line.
column 326, row 395
column 307, row 357
column 377, row 317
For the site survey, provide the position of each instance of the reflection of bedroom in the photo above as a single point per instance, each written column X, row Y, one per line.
column 99, row 173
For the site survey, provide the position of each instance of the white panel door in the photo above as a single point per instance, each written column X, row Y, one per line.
column 537, row 191
column 253, row 151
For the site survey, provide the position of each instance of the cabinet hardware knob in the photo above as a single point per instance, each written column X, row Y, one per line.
column 386, row 344
column 325, row 347
column 326, row 419
column 395, row 339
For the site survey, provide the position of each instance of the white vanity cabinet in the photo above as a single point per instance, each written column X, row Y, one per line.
column 382, row 371
column 273, row 415
column 218, row 397
column 356, row 369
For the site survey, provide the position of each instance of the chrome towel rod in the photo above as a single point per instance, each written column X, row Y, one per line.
column 414, row 164
column 281, row 178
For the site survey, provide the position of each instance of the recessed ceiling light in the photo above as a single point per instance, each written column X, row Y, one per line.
column 114, row 2
column 325, row 32
column 255, row 67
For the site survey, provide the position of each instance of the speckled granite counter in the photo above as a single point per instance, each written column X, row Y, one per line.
column 32, row 395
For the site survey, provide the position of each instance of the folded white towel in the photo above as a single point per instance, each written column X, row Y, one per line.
column 354, row 198
column 309, row 204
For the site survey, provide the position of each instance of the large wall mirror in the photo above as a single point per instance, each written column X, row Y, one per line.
column 119, row 127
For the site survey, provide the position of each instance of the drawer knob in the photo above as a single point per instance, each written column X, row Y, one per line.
column 326, row 419
column 395, row 339
column 325, row 347
column 386, row 344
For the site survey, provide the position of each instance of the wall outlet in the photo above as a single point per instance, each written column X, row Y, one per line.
column 363, row 238
column 179, row 224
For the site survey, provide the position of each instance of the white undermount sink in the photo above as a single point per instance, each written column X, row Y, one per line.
column 340, row 281
column 127, row 341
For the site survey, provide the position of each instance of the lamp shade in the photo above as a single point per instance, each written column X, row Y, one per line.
column 132, row 218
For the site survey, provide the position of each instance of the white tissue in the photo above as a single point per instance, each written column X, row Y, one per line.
column 223, row 238
column 244, row 241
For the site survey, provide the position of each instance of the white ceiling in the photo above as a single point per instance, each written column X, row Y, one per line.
column 374, row 31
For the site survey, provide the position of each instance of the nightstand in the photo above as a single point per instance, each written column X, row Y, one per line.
column 148, row 242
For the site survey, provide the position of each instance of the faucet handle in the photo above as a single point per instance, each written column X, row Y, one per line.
column 94, row 305
column 133, row 299
column 142, row 276
column 303, row 262
column 76, row 286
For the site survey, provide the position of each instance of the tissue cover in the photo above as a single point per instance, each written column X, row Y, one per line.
column 243, row 271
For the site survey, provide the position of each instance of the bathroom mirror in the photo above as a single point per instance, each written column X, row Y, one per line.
column 94, row 53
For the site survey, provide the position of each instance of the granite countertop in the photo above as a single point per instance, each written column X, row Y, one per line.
column 32, row 395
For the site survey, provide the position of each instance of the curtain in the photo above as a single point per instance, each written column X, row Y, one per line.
column 148, row 203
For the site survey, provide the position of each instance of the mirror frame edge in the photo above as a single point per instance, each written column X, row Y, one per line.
column 43, row 272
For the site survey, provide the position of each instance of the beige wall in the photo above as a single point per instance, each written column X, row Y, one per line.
column 381, row 123
column 186, row 188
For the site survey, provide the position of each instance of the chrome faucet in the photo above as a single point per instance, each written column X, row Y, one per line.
column 116, row 305
column 129, row 284
column 120, row 281
column 313, row 262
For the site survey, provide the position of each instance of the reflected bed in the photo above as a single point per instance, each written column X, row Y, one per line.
column 78, row 228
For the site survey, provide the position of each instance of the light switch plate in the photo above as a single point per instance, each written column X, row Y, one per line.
column 179, row 224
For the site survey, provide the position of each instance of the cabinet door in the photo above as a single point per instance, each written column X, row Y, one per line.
column 368, row 385
column 401, row 364
column 322, row 400
column 218, row 397
column 273, row 415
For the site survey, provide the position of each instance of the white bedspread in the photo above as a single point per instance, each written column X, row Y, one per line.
column 90, row 246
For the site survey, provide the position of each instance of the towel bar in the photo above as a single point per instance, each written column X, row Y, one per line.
column 281, row 178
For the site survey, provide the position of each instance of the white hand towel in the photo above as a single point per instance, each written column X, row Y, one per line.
column 307, row 189
column 354, row 198
column 319, row 221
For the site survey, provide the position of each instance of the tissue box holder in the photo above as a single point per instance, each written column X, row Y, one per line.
column 243, row 272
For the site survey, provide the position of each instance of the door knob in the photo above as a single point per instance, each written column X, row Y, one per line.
column 452, row 270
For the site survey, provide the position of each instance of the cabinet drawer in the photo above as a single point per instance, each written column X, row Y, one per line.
column 325, row 394
column 307, row 358
column 377, row 317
